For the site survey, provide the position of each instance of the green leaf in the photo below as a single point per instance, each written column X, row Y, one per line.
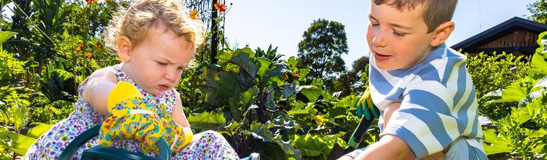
column 39, row 130
column 264, row 65
column 516, row 91
column 228, row 86
column 336, row 111
column 207, row 120
column 289, row 90
column 539, row 66
column 495, row 144
column 246, row 50
column 270, row 151
column 235, row 109
column 292, row 62
column 5, row 35
column 298, row 112
column 249, row 96
column 311, row 92
column 19, row 143
column 313, row 146
column 242, row 60
column 262, row 131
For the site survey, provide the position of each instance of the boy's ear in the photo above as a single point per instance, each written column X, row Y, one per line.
column 124, row 48
column 442, row 33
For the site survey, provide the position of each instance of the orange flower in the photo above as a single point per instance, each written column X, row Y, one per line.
column 294, row 74
column 88, row 55
column 220, row 7
column 194, row 14
column 286, row 77
column 79, row 48
column 89, row 1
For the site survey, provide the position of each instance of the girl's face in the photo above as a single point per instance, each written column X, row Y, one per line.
column 156, row 64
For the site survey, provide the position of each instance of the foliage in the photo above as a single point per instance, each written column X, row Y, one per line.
column 491, row 72
column 539, row 11
column 524, row 130
column 321, row 49
column 354, row 80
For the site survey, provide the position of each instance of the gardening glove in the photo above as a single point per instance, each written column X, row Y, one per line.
column 366, row 107
column 131, row 119
column 176, row 135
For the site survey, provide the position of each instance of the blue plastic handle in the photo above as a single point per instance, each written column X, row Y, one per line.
column 99, row 152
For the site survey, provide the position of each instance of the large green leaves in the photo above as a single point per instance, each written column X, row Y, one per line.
column 207, row 120
column 5, row 35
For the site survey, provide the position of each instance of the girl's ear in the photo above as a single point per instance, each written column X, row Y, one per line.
column 442, row 33
column 124, row 48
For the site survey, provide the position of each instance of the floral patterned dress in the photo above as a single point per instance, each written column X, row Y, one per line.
column 204, row 145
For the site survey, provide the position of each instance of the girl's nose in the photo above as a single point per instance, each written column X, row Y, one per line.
column 170, row 76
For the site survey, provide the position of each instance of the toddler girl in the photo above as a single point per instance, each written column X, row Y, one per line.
column 155, row 40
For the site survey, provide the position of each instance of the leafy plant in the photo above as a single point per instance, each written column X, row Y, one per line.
column 524, row 130
column 491, row 72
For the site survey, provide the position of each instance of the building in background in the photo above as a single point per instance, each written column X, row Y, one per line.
column 516, row 35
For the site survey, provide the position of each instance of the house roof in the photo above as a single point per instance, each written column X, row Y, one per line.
column 499, row 31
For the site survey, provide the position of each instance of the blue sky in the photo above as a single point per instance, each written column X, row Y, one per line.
column 259, row 23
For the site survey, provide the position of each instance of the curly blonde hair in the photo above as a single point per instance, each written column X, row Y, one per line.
column 135, row 21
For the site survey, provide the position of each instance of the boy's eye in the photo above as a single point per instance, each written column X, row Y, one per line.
column 374, row 24
column 180, row 68
column 397, row 33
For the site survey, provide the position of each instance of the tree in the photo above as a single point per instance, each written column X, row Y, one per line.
column 321, row 49
column 539, row 11
column 353, row 80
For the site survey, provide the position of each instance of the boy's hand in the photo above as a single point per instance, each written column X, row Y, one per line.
column 366, row 107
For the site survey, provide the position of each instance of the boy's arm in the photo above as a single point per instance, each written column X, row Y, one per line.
column 178, row 114
column 389, row 147
column 99, row 85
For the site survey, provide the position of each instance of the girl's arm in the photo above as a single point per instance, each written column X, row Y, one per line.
column 99, row 85
column 178, row 114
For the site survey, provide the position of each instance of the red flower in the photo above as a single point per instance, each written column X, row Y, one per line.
column 220, row 7
column 88, row 55
column 286, row 77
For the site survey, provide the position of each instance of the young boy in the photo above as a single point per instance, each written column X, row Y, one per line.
column 421, row 86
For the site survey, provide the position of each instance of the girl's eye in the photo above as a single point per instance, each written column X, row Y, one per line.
column 399, row 34
column 161, row 63
column 180, row 68
column 374, row 24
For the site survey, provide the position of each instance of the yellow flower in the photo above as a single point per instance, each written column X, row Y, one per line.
column 194, row 14
column 318, row 119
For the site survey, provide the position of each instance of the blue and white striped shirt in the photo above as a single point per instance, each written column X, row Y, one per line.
column 438, row 103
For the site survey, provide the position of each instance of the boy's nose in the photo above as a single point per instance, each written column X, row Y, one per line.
column 379, row 40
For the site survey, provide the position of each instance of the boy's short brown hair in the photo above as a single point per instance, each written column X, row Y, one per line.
column 436, row 11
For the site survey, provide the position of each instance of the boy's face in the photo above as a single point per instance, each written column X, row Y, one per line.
column 398, row 39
